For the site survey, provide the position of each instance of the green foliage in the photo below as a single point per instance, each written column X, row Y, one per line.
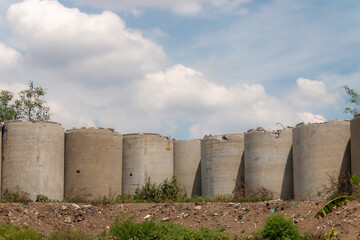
column 333, row 235
column 354, row 98
column 69, row 234
column 161, row 230
column 44, row 199
column 167, row 191
column 277, row 227
column 31, row 105
column 9, row 231
column 15, row 196
column 7, row 110
column 338, row 201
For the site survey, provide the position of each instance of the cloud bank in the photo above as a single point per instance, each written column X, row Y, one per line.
column 99, row 72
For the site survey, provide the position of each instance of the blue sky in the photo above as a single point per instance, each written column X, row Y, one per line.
column 183, row 68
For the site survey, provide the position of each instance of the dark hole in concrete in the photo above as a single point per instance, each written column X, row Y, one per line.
column 130, row 174
column 78, row 171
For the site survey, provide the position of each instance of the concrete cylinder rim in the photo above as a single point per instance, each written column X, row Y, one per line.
column 89, row 130
column 33, row 122
column 222, row 135
column 275, row 132
column 183, row 141
column 144, row 134
column 326, row 122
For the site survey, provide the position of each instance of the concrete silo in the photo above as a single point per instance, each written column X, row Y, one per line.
column 222, row 165
column 187, row 155
column 93, row 163
column 146, row 156
column 321, row 152
column 33, row 159
column 268, row 162
column 355, row 145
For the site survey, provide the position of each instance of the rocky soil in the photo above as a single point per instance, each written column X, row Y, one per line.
column 238, row 219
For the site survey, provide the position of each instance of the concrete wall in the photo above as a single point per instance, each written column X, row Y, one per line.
column 320, row 151
column 222, row 169
column 268, row 162
column 93, row 163
column 144, row 156
column 355, row 145
column 33, row 159
column 187, row 169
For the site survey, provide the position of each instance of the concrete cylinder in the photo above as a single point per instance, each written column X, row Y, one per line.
column 33, row 159
column 222, row 165
column 146, row 156
column 269, row 163
column 355, row 146
column 93, row 163
column 321, row 152
column 187, row 169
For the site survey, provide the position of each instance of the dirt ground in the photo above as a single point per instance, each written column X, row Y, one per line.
column 238, row 219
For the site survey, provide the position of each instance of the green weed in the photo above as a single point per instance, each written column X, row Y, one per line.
column 127, row 229
column 15, row 196
column 9, row 231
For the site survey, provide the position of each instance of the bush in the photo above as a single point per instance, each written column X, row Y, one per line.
column 9, row 231
column 168, row 191
column 16, row 196
column 162, row 230
column 277, row 227
column 69, row 234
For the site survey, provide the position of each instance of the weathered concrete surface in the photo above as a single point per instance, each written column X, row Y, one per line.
column 222, row 165
column 321, row 151
column 93, row 163
column 187, row 169
column 268, row 162
column 355, row 145
column 33, row 159
column 146, row 156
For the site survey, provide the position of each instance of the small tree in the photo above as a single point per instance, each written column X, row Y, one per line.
column 31, row 105
column 7, row 110
column 354, row 98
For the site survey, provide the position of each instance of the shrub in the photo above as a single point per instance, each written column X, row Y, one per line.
column 9, row 231
column 16, row 196
column 69, row 234
column 43, row 198
column 161, row 230
column 277, row 227
column 167, row 191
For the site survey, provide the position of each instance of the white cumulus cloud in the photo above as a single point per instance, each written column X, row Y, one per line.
column 97, row 48
column 98, row 72
column 9, row 58
column 311, row 94
column 184, row 94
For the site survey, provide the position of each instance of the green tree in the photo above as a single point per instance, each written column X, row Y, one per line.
column 31, row 105
column 354, row 98
column 7, row 110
